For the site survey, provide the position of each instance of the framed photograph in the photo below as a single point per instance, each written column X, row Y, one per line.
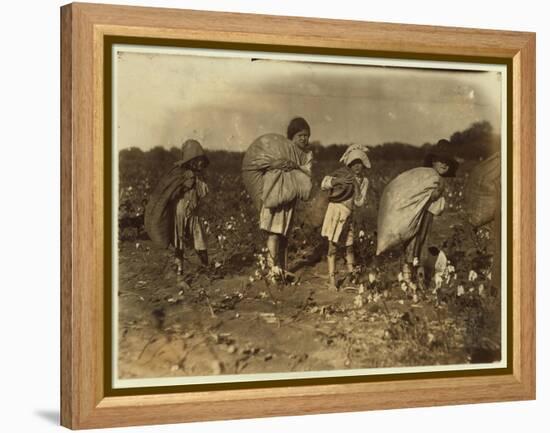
column 268, row 216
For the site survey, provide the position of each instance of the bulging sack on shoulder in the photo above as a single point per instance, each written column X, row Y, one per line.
column 282, row 187
column 481, row 192
column 159, row 212
column 402, row 204
column 269, row 187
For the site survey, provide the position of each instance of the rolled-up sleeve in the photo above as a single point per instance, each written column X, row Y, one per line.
column 326, row 184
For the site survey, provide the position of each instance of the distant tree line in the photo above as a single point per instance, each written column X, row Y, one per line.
column 474, row 143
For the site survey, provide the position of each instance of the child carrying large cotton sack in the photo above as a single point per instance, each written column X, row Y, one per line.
column 172, row 213
column 276, row 172
column 409, row 203
column 266, row 183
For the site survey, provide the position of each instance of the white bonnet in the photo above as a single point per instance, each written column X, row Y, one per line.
column 356, row 151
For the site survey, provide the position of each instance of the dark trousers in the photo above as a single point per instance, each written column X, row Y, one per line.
column 415, row 246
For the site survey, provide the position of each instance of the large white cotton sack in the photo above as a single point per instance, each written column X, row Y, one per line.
column 402, row 204
column 270, row 187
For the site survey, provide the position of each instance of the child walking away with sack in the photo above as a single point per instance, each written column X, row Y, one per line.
column 347, row 188
column 409, row 203
column 171, row 216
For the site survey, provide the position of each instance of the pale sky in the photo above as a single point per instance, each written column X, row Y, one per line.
column 225, row 103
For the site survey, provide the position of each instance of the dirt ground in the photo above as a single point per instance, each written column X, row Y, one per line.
column 221, row 321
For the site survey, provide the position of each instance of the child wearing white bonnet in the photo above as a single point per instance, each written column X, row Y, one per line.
column 347, row 189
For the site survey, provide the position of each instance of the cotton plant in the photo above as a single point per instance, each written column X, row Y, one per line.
column 444, row 271
column 262, row 268
column 270, row 274
column 406, row 283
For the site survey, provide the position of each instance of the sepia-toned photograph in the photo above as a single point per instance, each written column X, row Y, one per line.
column 283, row 216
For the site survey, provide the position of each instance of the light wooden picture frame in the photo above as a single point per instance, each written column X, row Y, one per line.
column 88, row 32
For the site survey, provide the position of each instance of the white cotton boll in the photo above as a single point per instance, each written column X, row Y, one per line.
column 415, row 261
column 460, row 290
column 404, row 286
column 472, row 276
column 372, row 277
column 400, row 277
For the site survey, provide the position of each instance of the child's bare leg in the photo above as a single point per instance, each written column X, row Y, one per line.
column 283, row 252
column 331, row 263
column 350, row 258
column 203, row 257
column 179, row 261
column 272, row 249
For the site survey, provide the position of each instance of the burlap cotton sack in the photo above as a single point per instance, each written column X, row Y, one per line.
column 273, row 187
column 159, row 212
column 403, row 201
column 481, row 193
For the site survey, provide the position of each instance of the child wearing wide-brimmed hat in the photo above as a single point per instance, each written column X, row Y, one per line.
column 347, row 188
column 446, row 166
column 188, row 226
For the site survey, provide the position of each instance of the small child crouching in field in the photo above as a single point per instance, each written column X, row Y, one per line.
column 188, row 227
column 347, row 188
